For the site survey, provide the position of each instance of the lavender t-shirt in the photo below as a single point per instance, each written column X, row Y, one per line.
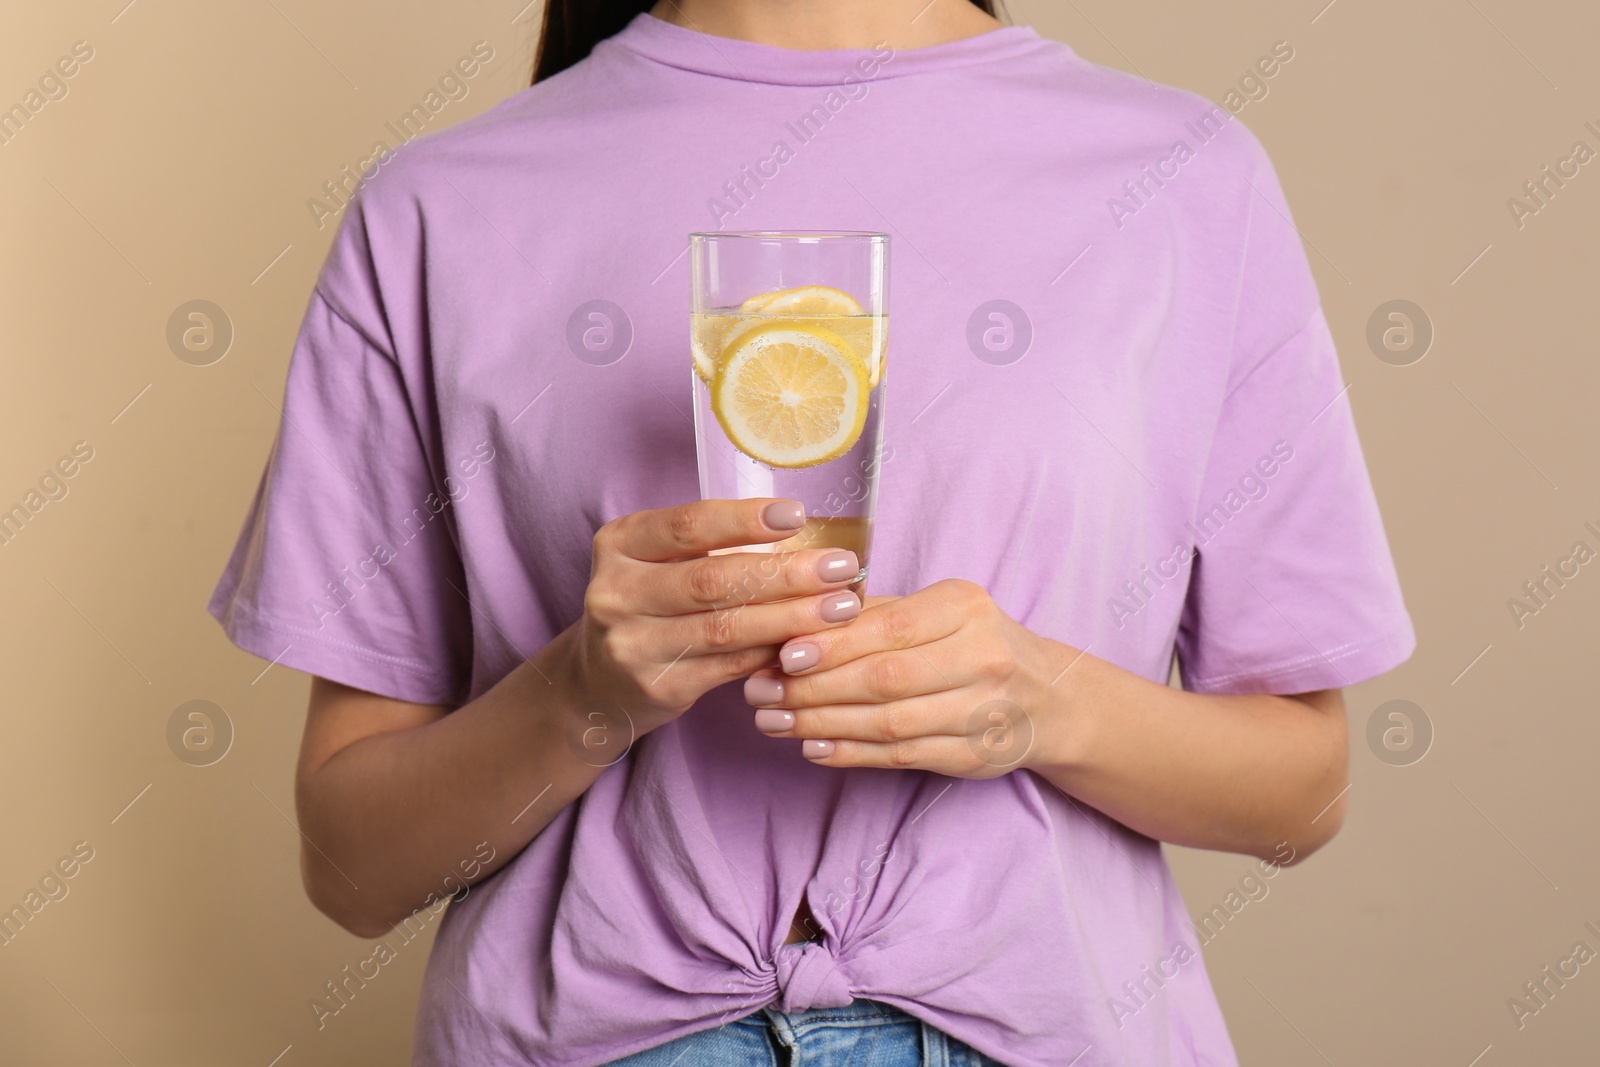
column 1107, row 351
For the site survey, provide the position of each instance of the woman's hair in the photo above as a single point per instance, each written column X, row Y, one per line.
column 573, row 27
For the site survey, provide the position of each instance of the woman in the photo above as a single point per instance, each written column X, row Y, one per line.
column 1117, row 432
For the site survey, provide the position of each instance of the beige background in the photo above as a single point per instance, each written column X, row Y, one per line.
column 178, row 168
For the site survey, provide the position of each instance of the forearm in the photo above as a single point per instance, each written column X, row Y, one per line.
column 401, row 801
column 400, row 817
column 1234, row 773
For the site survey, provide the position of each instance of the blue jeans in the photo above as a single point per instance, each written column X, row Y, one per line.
column 865, row 1034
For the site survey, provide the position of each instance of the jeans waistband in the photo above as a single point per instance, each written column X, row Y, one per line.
column 860, row 1011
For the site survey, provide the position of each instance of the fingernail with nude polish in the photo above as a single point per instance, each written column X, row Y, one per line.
column 841, row 607
column 774, row 720
column 799, row 656
column 816, row 749
column 760, row 691
column 838, row 565
column 784, row 515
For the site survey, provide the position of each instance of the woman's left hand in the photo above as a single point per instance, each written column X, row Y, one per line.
column 941, row 680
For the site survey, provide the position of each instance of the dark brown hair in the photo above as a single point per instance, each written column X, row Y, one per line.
column 573, row 27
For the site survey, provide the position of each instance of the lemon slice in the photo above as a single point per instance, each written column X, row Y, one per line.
column 805, row 301
column 790, row 394
column 867, row 335
column 711, row 335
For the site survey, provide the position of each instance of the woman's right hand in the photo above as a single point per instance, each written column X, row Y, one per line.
column 394, row 794
column 664, row 622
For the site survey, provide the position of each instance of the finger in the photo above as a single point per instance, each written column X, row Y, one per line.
column 941, row 755
column 686, row 677
column 902, row 720
column 753, row 625
column 878, row 678
column 738, row 578
column 921, row 618
column 699, row 527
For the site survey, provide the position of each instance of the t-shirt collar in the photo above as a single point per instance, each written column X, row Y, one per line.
column 726, row 57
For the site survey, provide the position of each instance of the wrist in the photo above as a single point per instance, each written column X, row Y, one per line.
column 594, row 697
column 1058, row 682
column 573, row 711
column 555, row 678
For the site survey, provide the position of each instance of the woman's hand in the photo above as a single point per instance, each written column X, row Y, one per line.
column 944, row 681
column 935, row 681
column 664, row 622
column 396, row 795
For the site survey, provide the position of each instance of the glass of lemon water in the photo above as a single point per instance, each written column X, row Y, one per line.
column 789, row 337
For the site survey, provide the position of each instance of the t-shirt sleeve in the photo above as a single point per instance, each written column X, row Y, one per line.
column 347, row 566
column 1293, row 588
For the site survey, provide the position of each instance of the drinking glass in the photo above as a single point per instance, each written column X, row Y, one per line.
column 788, row 333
